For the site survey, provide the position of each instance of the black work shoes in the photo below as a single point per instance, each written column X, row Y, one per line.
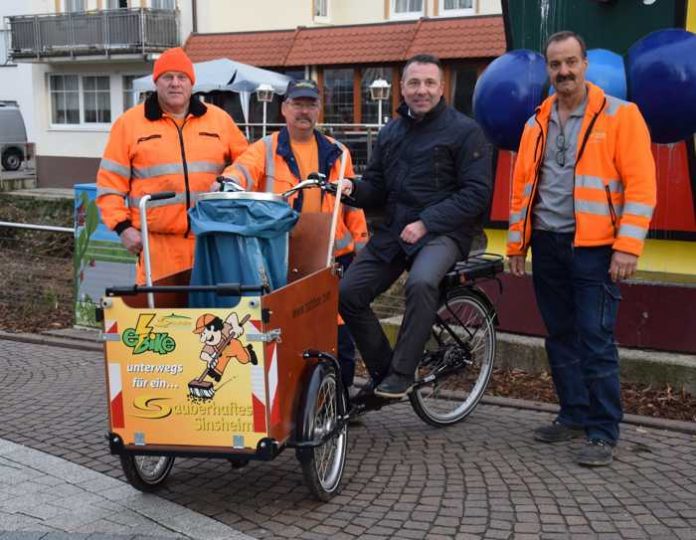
column 557, row 432
column 596, row 453
column 394, row 386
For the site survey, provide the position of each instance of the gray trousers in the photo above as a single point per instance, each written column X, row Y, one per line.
column 370, row 276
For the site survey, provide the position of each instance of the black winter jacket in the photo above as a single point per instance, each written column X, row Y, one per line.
column 437, row 170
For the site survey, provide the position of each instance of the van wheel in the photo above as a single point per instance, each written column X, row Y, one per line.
column 12, row 159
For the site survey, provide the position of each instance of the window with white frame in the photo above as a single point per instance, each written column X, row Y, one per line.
column 96, row 97
column 80, row 99
column 130, row 97
column 75, row 5
column 65, row 99
column 456, row 7
column 164, row 4
column 321, row 9
column 406, row 9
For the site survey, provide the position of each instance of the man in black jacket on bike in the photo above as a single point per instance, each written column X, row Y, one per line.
column 430, row 172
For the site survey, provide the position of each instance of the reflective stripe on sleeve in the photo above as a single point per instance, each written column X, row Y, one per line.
column 517, row 217
column 247, row 175
column 114, row 167
column 632, row 231
column 638, row 209
column 110, row 191
column 514, row 236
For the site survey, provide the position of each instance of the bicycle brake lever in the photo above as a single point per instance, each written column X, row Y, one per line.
column 331, row 188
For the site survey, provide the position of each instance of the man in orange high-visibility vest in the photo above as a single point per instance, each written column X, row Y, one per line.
column 582, row 198
column 172, row 142
column 280, row 161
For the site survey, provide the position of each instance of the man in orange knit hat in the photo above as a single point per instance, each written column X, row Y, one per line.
column 171, row 142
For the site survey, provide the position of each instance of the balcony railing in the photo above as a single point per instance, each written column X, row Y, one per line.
column 84, row 33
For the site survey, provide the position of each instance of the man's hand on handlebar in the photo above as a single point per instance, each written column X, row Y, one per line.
column 346, row 191
column 130, row 238
column 226, row 184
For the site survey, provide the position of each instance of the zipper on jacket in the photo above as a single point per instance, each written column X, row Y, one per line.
column 180, row 131
column 612, row 211
column 579, row 156
column 532, row 195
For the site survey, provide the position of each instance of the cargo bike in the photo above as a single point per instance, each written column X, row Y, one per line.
column 251, row 369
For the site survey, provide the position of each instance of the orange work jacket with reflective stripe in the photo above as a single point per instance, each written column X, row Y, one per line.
column 268, row 165
column 615, row 179
column 148, row 152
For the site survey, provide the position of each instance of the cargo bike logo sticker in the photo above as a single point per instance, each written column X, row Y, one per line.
column 143, row 338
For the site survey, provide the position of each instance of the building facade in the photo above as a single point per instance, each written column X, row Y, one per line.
column 70, row 63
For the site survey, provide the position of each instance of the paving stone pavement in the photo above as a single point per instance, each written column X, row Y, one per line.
column 43, row 496
column 483, row 478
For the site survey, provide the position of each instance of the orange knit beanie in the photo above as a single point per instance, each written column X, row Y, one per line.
column 174, row 59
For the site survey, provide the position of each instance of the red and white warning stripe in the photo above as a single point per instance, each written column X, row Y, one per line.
column 116, row 396
column 258, row 386
column 111, row 331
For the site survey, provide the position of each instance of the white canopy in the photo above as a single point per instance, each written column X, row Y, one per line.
column 225, row 74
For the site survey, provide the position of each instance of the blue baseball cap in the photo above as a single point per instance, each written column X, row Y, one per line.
column 302, row 89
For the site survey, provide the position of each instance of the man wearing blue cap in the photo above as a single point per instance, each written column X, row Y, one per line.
column 280, row 161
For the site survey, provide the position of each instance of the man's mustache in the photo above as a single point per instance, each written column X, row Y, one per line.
column 562, row 78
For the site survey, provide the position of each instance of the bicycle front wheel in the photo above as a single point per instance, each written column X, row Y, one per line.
column 458, row 360
column 323, row 465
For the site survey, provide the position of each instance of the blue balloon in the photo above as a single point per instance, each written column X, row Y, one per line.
column 507, row 93
column 607, row 71
column 662, row 79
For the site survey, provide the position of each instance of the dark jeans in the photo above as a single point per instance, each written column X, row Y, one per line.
column 579, row 302
column 370, row 276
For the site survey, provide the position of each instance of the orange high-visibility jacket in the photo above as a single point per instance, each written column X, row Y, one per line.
column 268, row 165
column 615, row 184
column 148, row 153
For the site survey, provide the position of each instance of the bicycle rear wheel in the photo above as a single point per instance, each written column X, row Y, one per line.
column 458, row 360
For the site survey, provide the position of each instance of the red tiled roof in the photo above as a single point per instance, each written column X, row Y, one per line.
column 351, row 44
column 461, row 37
column 468, row 37
column 263, row 49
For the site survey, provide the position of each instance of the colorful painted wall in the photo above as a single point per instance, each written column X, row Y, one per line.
column 659, row 306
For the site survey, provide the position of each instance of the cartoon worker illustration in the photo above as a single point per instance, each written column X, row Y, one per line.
column 221, row 344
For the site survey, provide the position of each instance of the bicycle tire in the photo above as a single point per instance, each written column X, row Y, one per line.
column 146, row 473
column 460, row 371
column 323, row 465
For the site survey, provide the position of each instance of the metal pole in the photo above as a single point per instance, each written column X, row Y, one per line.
column 337, row 206
column 47, row 228
column 144, row 238
column 264, row 118
column 379, row 109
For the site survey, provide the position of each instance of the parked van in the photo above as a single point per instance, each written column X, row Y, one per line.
column 13, row 136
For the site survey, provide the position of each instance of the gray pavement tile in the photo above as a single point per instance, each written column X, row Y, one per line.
column 397, row 466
